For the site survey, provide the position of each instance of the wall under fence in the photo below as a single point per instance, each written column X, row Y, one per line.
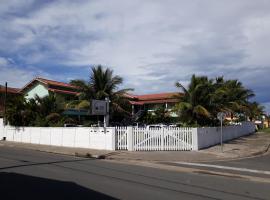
column 209, row 136
column 126, row 138
column 92, row 138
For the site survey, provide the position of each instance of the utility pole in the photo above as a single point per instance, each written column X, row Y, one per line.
column 106, row 116
column 5, row 105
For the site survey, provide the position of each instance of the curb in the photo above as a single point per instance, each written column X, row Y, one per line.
column 261, row 152
column 76, row 154
column 88, row 155
column 108, row 156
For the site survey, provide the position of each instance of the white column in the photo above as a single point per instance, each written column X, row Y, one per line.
column 129, row 139
column 113, row 139
column 162, row 139
column 195, row 146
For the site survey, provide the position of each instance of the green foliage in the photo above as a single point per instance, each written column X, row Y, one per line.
column 53, row 118
column 47, row 111
column 161, row 115
column 84, row 104
column 204, row 98
column 266, row 130
column 102, row 84
column 15, row 113
column 33, row 112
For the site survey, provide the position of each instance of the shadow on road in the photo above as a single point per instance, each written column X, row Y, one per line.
column 18, row 186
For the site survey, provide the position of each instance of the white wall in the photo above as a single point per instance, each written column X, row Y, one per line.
column 209, row 136
column 38, row 89
column 93, row 138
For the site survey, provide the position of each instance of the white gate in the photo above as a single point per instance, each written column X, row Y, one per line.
column 154, row 139
column 121, row 138
column 162, row 139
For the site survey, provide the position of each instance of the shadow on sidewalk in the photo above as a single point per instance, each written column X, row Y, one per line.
column 18, row 186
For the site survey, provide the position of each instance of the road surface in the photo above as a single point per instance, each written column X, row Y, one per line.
column 28, row 174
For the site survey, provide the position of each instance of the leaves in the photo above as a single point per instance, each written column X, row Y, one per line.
column 102, row 84
column 204, row 98
column 34, row 112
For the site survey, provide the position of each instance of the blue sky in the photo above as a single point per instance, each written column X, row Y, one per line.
column 150, row 43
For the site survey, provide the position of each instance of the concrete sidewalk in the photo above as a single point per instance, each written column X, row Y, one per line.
column 240, row 148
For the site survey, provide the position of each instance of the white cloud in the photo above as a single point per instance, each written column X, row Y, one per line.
column 14, row 76
column 152, row 44
column 18, row 76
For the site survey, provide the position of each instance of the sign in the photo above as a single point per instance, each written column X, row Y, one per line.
column 98, row 107
column 221, row 116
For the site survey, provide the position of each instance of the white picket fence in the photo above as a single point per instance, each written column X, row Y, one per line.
column 153, row 139
column 121, row 138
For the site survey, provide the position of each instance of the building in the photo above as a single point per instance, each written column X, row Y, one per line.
column 11, row 92
column 151, row 102
column 43, row 87
column 62, row 91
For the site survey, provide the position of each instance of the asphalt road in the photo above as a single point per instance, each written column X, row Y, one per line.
column 27, row 174
column 257, row 162
column 257, row 166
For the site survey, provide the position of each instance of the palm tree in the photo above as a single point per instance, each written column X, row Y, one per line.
column 103, row 84
column 15, row 110
column 47, row 105
column 86, row 91
column 230, row 96
column 205, row 97
column 254, row 110
column 48, row 110
column 193, row 106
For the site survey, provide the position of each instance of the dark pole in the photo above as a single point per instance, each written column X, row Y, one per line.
column 221, row 135
column 5, row 105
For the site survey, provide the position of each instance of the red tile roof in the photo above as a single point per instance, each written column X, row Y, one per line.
column 168, row 95
column 64, row 87
column 55, row 83
column 154, row 101
column 63, row 91
column 154, row 98
column 9, row 90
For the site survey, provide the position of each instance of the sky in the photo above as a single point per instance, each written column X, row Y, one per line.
column 150, row 43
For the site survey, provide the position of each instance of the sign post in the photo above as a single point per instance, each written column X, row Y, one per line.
column 221, row 117
column 106, row 116
column 101, row 107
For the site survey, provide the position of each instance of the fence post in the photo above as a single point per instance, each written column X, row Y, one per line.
column 130, row 138
column 195, row 146
column 162, row 139
column 113, row 138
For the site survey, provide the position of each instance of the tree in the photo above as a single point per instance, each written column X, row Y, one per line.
column 161, row 115
column 254, row 110
column 104, row 84
column 15, row 112
column 33, row 112
column 204, row 98
column 193, row 106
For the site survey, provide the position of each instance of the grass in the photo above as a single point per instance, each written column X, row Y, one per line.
column 266, row 130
